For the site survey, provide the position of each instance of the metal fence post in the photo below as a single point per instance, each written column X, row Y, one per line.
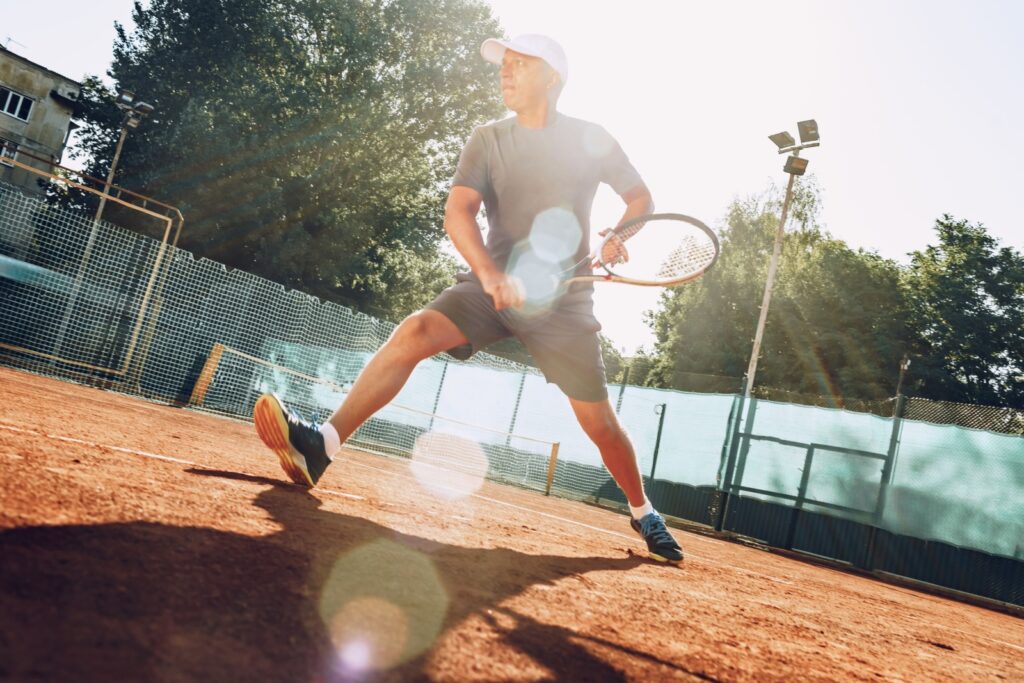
column 437, row 396
column 720, row 497
column 890, row 459
column 622, row 390
column 515, row 409
column 871, row 550
column 660, row 410
column 737, row 461
column 801, row 495
column 744, row 443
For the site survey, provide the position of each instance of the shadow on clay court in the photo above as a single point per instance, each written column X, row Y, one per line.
column 154, row 602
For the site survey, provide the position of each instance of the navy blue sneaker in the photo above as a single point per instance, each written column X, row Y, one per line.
column 660, row 544
column 298, row 443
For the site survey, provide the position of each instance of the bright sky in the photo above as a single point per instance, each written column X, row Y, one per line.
column 919, row 103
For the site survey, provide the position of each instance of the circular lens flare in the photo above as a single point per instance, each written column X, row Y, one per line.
column 449, row 466
column 369, row 633
column 555, row 235
column 382, row 604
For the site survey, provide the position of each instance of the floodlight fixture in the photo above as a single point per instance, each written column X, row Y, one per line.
column 782, row 140
column 134, row 111
column 808, row 131
column 795, row 165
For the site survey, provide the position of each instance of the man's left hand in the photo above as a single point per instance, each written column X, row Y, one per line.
column 613, row 251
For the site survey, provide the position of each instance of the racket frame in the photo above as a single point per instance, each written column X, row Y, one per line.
column 610, row 275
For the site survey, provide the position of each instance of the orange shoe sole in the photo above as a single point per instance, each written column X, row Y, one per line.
column 272, row 427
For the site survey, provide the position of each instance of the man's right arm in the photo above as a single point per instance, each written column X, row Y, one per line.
column 460, row 223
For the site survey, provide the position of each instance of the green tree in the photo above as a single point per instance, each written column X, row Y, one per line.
column 837, row 322
column 636, row 370
column 309, row 141
column 614, row 363
column 968, row 315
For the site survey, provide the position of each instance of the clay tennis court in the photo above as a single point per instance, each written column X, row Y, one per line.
column 146, row 543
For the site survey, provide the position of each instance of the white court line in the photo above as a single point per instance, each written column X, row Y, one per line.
column 689, row 555
column 145, row 454
column 119, row 449
column 166, row 458
column 180, row 461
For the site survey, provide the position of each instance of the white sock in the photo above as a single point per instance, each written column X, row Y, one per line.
column 643, row 510
column 332, row 442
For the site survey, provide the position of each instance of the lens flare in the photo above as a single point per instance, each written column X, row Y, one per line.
column 449, row 466
column 537, row 275
column 369, row 633
column 383, row 604
column 555, row 235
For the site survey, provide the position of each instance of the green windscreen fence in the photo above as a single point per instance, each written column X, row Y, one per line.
column 947, row 483
column 96, row 321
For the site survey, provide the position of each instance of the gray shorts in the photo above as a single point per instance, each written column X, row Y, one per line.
column 562, row 339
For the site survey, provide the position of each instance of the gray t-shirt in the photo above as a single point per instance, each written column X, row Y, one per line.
column 538, row 188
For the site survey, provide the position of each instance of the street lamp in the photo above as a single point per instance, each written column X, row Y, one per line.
column 809, row 137
column 134, row 111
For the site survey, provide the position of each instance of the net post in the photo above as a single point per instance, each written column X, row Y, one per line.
column 551, row 468
column 515, row 409
column 206, row 376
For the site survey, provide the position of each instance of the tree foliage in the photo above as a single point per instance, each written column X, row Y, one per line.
column 837, row 317
column 309, row 141
column 967, row 309
column 840, row 319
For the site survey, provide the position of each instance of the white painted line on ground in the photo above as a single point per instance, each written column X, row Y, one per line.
column 632, row 539
column 689, row 555
column 166, row 458
column 144, row 454
column 93, row 444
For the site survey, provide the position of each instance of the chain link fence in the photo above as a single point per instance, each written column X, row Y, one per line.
column 989, row 418
column 88, row 301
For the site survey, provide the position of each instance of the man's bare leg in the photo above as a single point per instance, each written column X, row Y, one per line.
column 599, row 421
column 418, row 337
column 602, row 426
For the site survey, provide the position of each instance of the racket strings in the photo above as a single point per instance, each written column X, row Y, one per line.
column 627, row 231
column 693, row 253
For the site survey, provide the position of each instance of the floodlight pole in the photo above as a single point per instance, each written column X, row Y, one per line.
column 795, row 166
column 768, row 287
column 113, row 167
column 134, row 110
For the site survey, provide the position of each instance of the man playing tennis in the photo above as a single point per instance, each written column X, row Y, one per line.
column 536, row 174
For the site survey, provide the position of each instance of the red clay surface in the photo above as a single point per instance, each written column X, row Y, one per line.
column 146, row 543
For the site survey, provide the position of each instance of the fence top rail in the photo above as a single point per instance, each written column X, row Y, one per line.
column 425, row 413
column 812, row 445
column 120, row 190
column 803, row 501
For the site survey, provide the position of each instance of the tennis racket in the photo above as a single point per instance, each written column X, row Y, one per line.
column 656, row 250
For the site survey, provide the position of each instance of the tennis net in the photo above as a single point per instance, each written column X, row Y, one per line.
column 441, row 447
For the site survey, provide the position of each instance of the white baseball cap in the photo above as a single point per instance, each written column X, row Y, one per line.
column 533, row 44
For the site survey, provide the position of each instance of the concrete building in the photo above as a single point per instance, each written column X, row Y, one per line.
column 36, row 106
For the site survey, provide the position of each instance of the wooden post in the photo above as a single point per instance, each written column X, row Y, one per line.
column 551, row 468
column 206, row 376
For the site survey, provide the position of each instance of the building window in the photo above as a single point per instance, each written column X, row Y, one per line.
column 14, row 104
column 8, row 150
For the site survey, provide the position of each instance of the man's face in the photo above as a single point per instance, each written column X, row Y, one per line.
column 525, row 80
